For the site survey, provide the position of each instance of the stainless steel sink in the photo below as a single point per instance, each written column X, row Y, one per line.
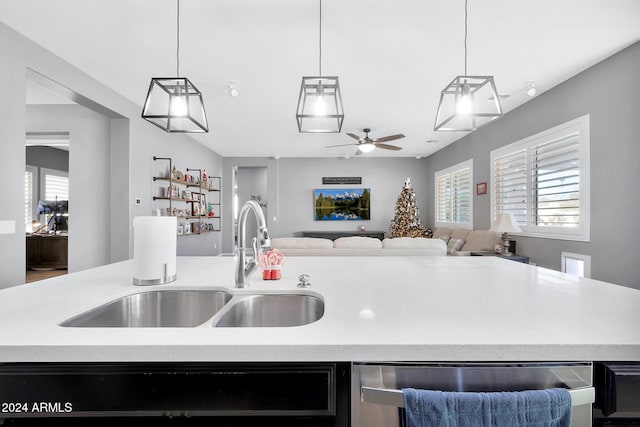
column 163, row 308
column 274, row 310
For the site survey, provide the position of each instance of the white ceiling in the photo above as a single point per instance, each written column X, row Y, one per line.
column 393, row 57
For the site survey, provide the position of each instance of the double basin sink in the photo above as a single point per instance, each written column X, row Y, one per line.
column 175, row 308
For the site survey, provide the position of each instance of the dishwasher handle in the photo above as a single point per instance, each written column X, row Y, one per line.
column 391, row 397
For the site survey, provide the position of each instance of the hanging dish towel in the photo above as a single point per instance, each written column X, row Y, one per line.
column 532, row 408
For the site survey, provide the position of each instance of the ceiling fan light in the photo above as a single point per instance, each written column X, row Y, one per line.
column 472, row 90
column 320, row 105
column 367, row 147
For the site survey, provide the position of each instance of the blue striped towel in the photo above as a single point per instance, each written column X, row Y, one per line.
column 531, row 408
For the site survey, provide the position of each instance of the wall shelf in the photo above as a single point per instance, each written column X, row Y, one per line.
column 174, row 191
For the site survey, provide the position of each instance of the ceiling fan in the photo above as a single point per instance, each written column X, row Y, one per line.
column 367, row 144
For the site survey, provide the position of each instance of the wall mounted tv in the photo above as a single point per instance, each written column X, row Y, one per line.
column 342, row 204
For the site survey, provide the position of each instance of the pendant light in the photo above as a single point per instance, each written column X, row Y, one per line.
column 320, row 103
column 468, row 101
column 174, row 104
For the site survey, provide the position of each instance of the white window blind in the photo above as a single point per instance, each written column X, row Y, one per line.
column 556, row 183
column 453, row 198
column 543, row 181
column 443, row 198
column 510, row 184
column 56, row 186
column 28, row 200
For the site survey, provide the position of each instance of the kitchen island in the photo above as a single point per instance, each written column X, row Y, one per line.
column 382, row 309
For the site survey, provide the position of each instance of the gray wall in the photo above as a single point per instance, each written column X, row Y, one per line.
column 48, row 157
column 252, row 181
column 129, row 157
column 610, row 93
column 291, row 182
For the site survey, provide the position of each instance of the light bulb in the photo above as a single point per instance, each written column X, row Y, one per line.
column 465, row 103
column 367, row 147
column 178, row 106
column 319, row 106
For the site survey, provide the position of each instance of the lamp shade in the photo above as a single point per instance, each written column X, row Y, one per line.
column 174, row 104
column 506, row 223
column 320, row 105
column 467, row 103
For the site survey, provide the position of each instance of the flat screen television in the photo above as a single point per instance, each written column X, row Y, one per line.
column 342, row 204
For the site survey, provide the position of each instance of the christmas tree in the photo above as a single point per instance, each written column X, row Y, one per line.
column 406, row 222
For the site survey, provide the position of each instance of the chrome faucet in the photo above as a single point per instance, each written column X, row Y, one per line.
column 244, row 268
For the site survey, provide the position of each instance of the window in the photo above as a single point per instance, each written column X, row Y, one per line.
column 55, row 185
column 453, row 197
column 30, row 174
column 543, row 180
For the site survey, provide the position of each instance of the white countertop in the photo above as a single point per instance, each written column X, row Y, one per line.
column 424, row 309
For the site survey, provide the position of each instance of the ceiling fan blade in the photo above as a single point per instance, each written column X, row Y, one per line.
column 389, row 147
column 339, row 145
column 390, row 137
column 354, row 136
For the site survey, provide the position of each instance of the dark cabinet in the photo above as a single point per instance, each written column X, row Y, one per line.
column 176, row 394
column 617, row 394
column 47, row 251
column 333, row 235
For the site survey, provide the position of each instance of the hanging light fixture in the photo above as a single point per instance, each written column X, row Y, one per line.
column 320, row 103
column 468, row 101
column 174, row 104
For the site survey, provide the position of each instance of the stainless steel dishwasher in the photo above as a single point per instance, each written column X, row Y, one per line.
column 377, row 399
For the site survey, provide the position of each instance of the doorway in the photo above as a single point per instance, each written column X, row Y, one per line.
column 250, row 183
column 46, row 205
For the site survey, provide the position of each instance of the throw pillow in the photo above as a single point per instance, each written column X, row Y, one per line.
column 445, row 237
column 454, row 245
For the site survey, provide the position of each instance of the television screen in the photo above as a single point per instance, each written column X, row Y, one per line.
column 342, row 204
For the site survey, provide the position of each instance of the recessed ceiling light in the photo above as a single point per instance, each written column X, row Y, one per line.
column 233, row 88
column 531, row 89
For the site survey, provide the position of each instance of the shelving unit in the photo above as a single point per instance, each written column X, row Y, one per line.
column 195, row 201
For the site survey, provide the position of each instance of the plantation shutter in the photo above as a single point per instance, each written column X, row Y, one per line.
column 453, row 197
column 556, row 183
column 443, row 198
column 56, row 186
column 461, row 193
column 510, row 184
column 28, row 199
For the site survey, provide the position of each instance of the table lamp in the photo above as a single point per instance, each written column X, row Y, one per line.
column 505, row 223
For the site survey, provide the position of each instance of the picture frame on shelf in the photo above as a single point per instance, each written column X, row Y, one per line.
column 203, row 204
column 180, row 230
column 196, row 209
column 481, row 188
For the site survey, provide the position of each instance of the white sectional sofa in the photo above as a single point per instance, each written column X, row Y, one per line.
column 359, row 246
